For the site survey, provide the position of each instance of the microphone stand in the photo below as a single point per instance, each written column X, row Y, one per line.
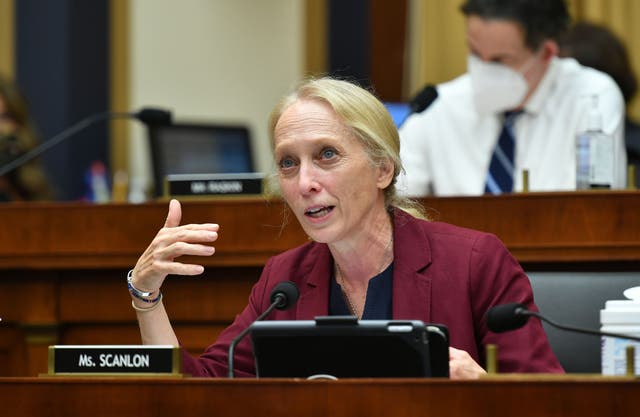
column 82, row 124
column 539, row 316
column 279, row 297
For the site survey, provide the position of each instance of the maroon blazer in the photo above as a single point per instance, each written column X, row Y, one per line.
column 441, row 274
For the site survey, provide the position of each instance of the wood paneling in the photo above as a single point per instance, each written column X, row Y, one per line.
column 7, row 38
column 119, row 67
column 388, row 29
column 63, row 266
column 540, row 228
column 76, row 236
column 536, row 227
column 315, row 37
column 12, row 351
column 523, row 396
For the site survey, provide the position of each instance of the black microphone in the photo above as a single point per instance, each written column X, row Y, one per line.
column 421, row 101
column 149, row 116
column 283, row 296
column 506, row 317
column 152, row 116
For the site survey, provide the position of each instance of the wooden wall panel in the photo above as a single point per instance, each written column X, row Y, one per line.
column 523, row 396
column 63, row 266
column 13, row 360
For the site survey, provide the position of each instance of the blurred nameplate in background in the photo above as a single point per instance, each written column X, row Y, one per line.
column 122, row 360
column 193, row 185
column 199, row 148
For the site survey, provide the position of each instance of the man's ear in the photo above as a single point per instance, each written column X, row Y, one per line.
column 550, row 49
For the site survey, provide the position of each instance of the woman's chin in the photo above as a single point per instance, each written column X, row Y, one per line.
column 319, row 236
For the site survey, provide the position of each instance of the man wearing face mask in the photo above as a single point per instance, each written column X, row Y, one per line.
column 519, row 107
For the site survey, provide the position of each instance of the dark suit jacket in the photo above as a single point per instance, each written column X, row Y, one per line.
column 442, row 274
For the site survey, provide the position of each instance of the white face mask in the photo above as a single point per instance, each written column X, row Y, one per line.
column 496, row 87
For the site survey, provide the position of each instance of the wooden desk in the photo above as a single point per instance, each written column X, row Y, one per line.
column 62, row 266
column 537, row 228
column 563, row 396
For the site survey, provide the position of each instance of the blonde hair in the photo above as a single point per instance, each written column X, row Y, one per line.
column 368, row 120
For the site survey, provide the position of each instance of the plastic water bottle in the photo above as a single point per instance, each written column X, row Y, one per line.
column 594, row 154
column 620, row 316
column 583, row 163
column 97, row 186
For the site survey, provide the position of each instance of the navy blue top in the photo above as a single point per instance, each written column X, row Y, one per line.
column 378, row 303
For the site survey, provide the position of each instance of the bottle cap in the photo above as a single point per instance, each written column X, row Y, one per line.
column 622, row 312
column 632, row 293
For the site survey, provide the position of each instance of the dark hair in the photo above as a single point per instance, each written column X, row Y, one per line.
column 14, row 101
column 597, row 47
column 540, row 19
column 29, row 181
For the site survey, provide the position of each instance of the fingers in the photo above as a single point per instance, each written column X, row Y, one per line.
column 456, row 353
column 178, row 249
column 190, row 234
column 175, row 214
column 212, row 227
column 159, row 261
column 170, row 268
column 462, row 365
column 149, row 276
column 171, row 242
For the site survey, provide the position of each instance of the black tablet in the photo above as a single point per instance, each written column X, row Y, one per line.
column 344, row 347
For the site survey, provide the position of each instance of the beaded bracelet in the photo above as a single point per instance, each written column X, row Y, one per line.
column 146, row 300
column 140, row 295
column 133, row 290
column 146, row 309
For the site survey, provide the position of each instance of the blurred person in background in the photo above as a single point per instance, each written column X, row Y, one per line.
column 597, row 47
column 519, row 107
column 17, row 136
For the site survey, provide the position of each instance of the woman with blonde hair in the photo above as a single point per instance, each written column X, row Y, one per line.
column 337, row 156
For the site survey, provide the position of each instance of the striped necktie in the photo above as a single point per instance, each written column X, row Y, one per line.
column 500, row 176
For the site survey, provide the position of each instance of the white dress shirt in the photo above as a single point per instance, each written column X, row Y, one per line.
column 446, row 150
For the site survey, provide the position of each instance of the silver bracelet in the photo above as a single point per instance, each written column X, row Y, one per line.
column 147, row 309
column 133, row 290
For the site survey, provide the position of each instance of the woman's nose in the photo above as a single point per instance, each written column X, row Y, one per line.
column 308, row 178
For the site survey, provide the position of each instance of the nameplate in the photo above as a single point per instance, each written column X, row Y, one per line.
column 114, row 360
column 240, row 184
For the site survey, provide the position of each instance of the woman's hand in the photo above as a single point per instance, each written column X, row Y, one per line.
column 172, row 241
column 462, row 366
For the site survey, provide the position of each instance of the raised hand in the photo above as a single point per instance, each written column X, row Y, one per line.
column 171, row 242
